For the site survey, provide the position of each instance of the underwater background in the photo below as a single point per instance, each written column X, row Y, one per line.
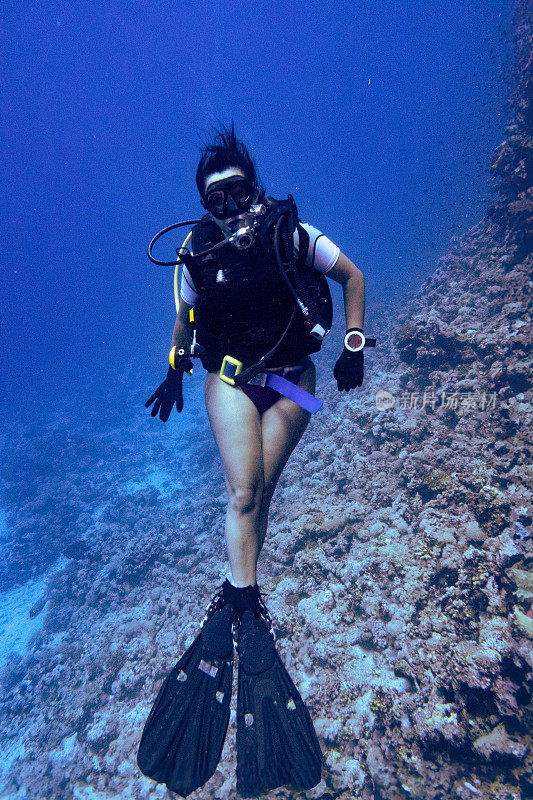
column 378, row 117
column 398, row 560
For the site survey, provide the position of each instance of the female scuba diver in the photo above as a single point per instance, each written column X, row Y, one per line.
column 253, row 278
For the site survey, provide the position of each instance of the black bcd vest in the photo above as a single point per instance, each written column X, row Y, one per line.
column 245, row 305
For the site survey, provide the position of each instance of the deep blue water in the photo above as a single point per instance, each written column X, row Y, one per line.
column 379, row 117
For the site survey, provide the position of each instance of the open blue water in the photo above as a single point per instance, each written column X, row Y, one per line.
column 378, row 117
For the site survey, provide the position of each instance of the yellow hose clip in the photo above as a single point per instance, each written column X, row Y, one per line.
column 238, row 368
column 172, row 358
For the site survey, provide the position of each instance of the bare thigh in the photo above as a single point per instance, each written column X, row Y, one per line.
column 283, row 425
column 236, row 426
column 254, row 449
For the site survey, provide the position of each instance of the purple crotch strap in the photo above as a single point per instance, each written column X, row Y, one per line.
column 293, row 392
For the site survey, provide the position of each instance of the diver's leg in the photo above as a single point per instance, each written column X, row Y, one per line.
column 236, row 426
column 282, row 428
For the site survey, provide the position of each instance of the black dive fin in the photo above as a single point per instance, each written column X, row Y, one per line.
column 184, row 734
column 276, row 740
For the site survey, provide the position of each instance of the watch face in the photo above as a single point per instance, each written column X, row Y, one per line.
column 354, row 341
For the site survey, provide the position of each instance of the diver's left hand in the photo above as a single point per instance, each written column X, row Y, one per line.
column 349, row 370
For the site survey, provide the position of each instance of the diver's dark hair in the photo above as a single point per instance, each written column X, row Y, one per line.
column 224, row 151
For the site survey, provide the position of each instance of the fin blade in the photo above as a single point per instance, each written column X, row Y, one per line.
column 276, row 740
column 184, row 734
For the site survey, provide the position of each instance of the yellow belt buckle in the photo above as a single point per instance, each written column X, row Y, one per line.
column 238, row 367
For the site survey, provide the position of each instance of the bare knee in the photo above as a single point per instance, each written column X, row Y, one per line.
column 245, row 499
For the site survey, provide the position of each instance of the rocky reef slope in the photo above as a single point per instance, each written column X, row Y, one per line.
column 438, row 574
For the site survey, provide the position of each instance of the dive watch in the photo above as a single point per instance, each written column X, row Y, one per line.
column 354, row 341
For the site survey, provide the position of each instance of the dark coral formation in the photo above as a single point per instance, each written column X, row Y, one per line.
column 513, row 159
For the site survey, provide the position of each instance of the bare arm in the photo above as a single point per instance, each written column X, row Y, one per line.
column 181, row 336
column 353, row 283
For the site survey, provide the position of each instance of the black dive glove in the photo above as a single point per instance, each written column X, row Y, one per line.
column 349, row 369
column 171, row 390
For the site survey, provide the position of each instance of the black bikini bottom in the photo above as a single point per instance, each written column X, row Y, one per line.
column 263, row 397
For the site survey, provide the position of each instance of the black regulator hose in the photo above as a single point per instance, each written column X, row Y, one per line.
column 183, row 252
column 283, row 237
column 289, row 247
column 279, row 240
column 162, row 233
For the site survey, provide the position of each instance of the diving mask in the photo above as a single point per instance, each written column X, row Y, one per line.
column 229, row 197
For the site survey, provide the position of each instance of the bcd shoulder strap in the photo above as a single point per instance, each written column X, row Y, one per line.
column 303, row 246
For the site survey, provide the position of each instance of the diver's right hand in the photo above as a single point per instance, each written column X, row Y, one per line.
column 170, row 391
